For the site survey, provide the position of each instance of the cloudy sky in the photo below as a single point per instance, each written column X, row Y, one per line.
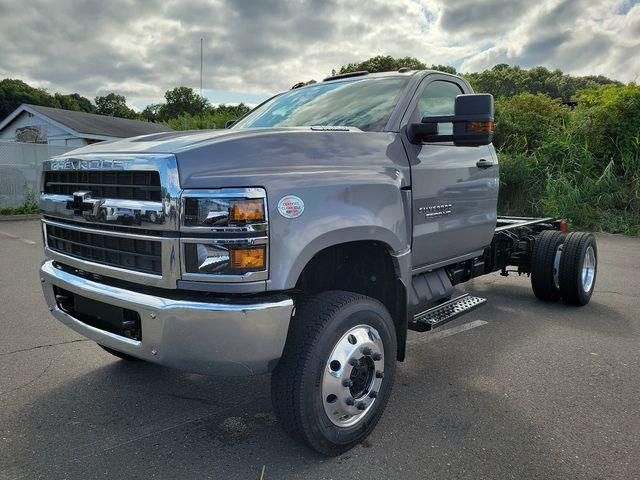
column 254, row 48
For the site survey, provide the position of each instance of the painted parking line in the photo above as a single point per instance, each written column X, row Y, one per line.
column 15, row 237
column 439, row 335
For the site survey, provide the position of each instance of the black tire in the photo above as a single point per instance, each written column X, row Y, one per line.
column 543, row 276
column 576, row 247
column 296, row 385
column 121, row 355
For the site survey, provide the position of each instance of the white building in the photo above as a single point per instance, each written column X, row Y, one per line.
column 67, row 128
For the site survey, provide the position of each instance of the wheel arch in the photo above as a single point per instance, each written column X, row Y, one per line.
column 341, row 236
column 365, row 266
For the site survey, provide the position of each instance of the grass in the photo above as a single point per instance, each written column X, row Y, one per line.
column 29, row 206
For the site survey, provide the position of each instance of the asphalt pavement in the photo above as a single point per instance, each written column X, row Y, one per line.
column 517, row 389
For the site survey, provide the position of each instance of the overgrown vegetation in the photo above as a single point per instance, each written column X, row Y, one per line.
column 581, row 163
column 29, row 205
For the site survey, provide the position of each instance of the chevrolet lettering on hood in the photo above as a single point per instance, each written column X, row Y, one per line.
column 80, row 164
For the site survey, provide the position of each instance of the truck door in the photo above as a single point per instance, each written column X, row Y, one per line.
column 454, row 189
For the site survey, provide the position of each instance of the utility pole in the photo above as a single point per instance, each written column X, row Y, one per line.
column 201, row 66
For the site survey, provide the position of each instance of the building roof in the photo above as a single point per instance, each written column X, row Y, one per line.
column 89, row 124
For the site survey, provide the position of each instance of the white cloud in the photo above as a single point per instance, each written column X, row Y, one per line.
column 581, row 37
column 259, row 47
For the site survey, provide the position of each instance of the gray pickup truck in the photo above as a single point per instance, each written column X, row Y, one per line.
column 304, row 240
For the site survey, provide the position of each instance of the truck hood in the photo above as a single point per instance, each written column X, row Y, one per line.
column 175, row 142
column 264, row 156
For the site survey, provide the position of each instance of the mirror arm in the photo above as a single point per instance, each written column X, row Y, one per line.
column 417, row 132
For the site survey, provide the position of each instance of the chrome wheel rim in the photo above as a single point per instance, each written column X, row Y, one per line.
column 353, row 375
column 556, row 267
column 588, row 269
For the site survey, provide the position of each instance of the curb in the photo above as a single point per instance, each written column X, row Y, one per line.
column 15, row 218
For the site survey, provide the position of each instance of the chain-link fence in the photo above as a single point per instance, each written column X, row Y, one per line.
column 20, row 167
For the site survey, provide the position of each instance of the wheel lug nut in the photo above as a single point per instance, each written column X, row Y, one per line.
column 379, row 374
column 376, row 357
column 373, row 394
column 361, row 406
column 366, row 351
column 347, row 382
column 353, row 362
column 349, row 401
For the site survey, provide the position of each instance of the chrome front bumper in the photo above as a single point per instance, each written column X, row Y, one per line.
column 231, row 337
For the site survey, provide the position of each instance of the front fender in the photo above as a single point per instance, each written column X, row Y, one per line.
column 334, row 215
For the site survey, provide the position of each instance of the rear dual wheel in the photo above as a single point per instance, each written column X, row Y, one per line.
column 337, row 370
column 578, row 268
column 545, row 265
column 564, row 266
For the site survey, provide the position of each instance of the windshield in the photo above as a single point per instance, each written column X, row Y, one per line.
column 362, row 103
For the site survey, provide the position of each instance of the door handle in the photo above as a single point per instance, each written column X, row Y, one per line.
column 484, row 163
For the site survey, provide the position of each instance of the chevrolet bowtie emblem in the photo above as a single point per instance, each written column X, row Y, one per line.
column 83, row 203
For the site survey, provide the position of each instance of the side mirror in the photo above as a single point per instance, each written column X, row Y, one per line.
column 472, row 123
column 229, row 123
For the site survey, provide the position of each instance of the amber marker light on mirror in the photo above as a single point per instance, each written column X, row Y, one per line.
column 486, row 127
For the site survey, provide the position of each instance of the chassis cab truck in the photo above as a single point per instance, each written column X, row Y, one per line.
column 304, row 241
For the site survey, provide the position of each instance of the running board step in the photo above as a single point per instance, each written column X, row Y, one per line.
column 445, row 312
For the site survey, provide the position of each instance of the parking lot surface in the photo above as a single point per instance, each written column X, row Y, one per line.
column 516, row 389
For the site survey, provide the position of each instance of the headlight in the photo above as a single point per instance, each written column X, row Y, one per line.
column 221, row 212
column 224, row 235
column 203, row 258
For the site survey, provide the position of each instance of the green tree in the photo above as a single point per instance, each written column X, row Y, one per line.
column 14, row 92
column 151, row 113
column 114, row 105
column 608, row 120
column 74, row 101
column 387, row 63
column 182, row 101
column 381, row 63
column 525, row 120
column 445, row 69
column 213, row 117
column 506, row 81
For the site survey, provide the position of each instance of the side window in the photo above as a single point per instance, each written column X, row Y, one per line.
column 438, row 98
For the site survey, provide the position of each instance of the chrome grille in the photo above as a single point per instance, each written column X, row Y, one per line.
column 141, row 255
column 125, row 185
column 114, row 215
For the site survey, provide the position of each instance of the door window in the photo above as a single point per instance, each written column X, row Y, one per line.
column 438, row 98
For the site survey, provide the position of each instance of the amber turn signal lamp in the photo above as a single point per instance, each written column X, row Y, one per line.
column 486, row 127
column 248, row 259
column 246, row 211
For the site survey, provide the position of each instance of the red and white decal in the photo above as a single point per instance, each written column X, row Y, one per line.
column 290, row 206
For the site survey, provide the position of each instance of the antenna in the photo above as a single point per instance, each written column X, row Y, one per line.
column 201, row 66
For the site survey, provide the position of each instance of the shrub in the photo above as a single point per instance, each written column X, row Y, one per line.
column 525, row 120
column 583, row 164
column 608, row 119
column 29, row 205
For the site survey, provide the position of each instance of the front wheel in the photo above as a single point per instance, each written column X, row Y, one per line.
column 337, row 370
